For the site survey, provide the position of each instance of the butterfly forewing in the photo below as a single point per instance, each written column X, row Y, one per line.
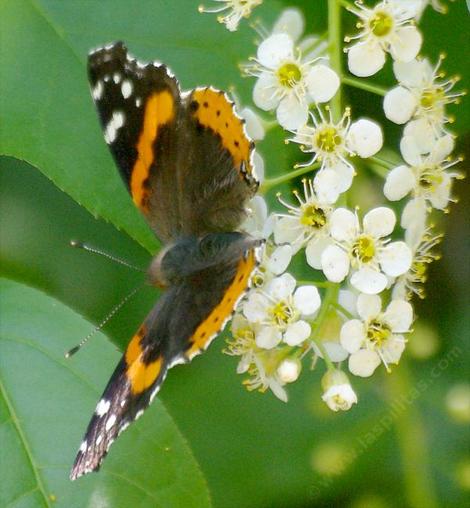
column 139, row 107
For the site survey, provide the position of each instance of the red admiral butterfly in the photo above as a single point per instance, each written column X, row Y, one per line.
column 187, row 162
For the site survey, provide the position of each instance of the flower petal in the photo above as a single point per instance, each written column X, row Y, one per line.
column 414, row 73
column 279, row 259
column 407, row 43
column 365, row 59
column 277, row 389
column 345, row 173
column 399, row 315
column 410, row 150
column 369, row 281
column 296, row 333
column 363, row 363
column 348, row 300
column 352, row 335
column 422, row 132
column 335, row 351
column 254, row 127
column 307, row 300
column 442, row 148
column 335, row 263
column 343, row 225
column 265, row 94
column 393, row 348
column 292, row 113
column 288, row 230
column 399, row 182
column 379, row 222
column 327, row 185
column 268, row 337
column 322, row 83
column 368, row 306
column 281, row 287
column 314, row 250
column 258, row 166
column 395, row 259
column 256, row 217
column 399, row 105
column 441, row 196
column 414, row 215
column 365, row 138
column 292, row 22
column 255, row 307
column 276, row 48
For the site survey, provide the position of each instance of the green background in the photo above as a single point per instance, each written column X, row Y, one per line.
column 206, row 441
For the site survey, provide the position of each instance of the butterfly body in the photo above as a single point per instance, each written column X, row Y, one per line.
column 187, row 163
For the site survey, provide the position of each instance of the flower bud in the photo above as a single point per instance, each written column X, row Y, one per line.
column 338, row 393
column 289, row 370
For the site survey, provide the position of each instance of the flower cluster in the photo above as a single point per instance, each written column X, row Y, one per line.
column 360, row 268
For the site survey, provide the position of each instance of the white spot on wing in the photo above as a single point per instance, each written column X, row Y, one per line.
column 110, row 422
column 126, row 88
column 138, row 102
column 99, row 439
column 117, row 77
column 102, row 407
column 116, row 122
column 83, row 446
column 97, row 92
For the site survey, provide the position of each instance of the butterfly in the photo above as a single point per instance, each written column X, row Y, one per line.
column 188, row 165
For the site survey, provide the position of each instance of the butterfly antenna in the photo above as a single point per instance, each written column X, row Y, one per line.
column 82, row 245
column 97, row 328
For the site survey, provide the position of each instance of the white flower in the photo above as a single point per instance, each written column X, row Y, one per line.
column 425, row 177
column 387, row 27
column 261, row 365
column 377, row 336
column 306, row 224
column 288, row 83
column 365, row 249
column 238, row 9
column 332, row 143
column 411, row 282
column 278, row 311
column 421, row 96
column 275, row 262
column 338, row 393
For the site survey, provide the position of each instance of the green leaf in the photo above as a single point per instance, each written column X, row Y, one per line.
column 45, row 404
column 48, row 116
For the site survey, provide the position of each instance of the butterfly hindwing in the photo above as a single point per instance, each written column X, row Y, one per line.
column 217, row 164
column 182, row 324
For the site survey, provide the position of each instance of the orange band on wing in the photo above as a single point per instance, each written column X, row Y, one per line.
column 141, row 375
column 213, row 323
column 216, row 112
column 159, row 110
